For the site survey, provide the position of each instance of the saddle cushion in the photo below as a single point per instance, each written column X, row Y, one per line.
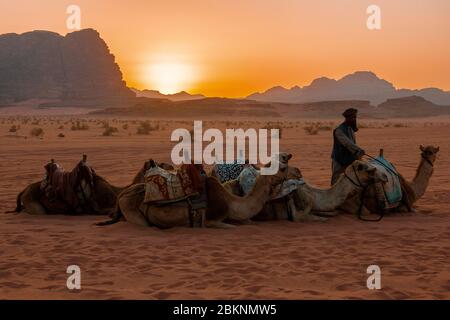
column 163, row 186
column 247, row 180
column 228, row 171
column 392, row 188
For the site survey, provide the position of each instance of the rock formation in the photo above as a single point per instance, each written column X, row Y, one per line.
column 46, row 65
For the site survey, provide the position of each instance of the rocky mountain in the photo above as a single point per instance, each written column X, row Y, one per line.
column 46, row 65
column 361, row 85
column 154, row 94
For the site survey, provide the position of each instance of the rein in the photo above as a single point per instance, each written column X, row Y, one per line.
column 363, row 194
column 427, row 160
column 359, row 184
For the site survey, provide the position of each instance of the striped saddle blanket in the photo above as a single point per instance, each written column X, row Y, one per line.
column 392, row 188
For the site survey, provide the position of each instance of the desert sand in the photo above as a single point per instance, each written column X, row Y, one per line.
column 270, row 260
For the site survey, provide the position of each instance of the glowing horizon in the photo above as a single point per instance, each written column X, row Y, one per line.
column 233, row 49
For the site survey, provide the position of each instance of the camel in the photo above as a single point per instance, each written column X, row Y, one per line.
column 221, row 205
column 412, row 190
column 309, row 199
column 104, row 194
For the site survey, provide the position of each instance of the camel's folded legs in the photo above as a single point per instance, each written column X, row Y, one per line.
column 219, row 225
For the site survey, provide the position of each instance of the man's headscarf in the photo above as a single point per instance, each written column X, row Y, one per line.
column 349, row 114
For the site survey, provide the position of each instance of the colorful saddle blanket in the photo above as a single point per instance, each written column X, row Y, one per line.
column 166, row 186
column 392, row 188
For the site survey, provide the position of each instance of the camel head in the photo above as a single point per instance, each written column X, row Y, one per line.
column 282, row 158
column 362, row 174
column 429, row 153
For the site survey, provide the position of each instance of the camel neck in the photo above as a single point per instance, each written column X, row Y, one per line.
column 340, row 191
column 330, row 199
column 244, row 208
column 422, row 178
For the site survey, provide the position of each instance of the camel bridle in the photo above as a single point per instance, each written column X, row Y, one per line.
column 425, row 156
column 363, row 194
column 358, row 182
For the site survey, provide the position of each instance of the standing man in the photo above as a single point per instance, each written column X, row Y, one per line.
column 345, row 149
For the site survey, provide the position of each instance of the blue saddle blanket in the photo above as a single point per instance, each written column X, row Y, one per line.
column 392, row 188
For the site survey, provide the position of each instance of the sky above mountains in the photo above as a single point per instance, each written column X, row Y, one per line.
column 235, row 48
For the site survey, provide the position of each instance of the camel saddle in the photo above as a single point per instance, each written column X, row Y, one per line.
column 69, row 187
column 164, row 187
column 247, row 180
column 392, row 188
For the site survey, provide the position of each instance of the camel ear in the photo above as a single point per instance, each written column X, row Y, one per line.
column 422, row 148
column 289, row 156
column 436, row 150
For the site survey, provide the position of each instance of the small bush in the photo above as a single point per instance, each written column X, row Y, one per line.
column 37, row 132
column 61, row 135
column 311, row 130
column 125, row 126
column 109, row 131
column 79, row 126
column 145, row 127
column 13, row 128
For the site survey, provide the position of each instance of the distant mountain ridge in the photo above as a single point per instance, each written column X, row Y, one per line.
column 154, row 94
column 46, row 65
column 360, row 85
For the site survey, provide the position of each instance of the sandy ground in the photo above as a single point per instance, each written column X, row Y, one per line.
column 275, row 260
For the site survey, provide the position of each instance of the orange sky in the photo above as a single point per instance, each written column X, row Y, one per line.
column 236, row 47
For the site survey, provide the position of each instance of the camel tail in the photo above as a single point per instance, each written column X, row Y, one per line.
column 19, row 206
column 115, row 218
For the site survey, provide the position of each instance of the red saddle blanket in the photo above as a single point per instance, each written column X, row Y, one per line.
column 65, row 185
column 162, row 185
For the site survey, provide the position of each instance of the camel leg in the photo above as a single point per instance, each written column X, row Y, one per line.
column 219, row 225
column 131, row 213
column 325, row 213
column 307, row 216
column 31, row 205
column 245, row 222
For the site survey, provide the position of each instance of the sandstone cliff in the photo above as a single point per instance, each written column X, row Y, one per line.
column 46, row 65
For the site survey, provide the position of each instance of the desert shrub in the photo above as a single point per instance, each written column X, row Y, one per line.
column 400, row 125
column 37, row 132
column 13, row 128
column 311, row 130
column 323, row 127
column 79, row 126
column 145, row 127
column 61, row 135
column 125, row 126
column 109, row 131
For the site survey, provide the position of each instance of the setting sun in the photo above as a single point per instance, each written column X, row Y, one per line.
column 169, row 77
